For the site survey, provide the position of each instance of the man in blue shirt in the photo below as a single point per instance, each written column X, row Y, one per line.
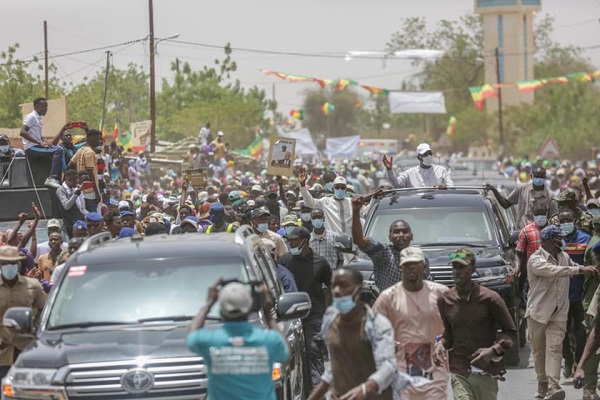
column 239, row 356
column 576, row 244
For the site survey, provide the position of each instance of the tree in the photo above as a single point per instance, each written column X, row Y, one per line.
column 342, row 121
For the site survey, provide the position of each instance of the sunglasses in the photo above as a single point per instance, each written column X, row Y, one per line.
column 459, row 254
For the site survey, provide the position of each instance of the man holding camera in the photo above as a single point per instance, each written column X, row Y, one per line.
column 239, row 356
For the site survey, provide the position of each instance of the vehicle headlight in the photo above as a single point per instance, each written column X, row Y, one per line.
column 31, row 376
column 491, row 274
column 31, row 383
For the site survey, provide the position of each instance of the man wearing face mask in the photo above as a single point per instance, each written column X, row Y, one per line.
column 593, row 208
column 259, row 219
column 305, row 216
column 360, row 344
column 85, row 162
column 216, row 214
column 6, row 150
column 548, row 271
column 289, row 223
column 15, row 291
column 311, row 272
column 323, row 242
column 577, row 242
column 525, row 196
column 426, row 174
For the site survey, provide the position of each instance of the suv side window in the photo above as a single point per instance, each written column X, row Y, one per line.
column 502, row 230
column 262, row 261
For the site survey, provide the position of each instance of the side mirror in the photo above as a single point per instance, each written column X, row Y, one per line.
column 344, row 244
column 293, row 306
column 18, row 319
column 514, row 238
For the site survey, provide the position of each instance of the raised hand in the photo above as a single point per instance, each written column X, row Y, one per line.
column 388, row 163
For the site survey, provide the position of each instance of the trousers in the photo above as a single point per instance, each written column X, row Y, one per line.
column 54, row 152
column 474, row 387
column 546, row 348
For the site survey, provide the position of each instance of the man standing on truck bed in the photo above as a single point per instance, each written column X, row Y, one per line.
column 425, row 174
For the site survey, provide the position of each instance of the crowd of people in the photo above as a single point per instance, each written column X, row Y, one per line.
column 418, row 336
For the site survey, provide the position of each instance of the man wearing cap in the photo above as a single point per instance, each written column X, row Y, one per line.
column 239, row 356
column 216, row 214
column 472, row 315
column 260, row 224
column 411, row 307
column 311, row 272
column 549, row 270
column 15, row 291
column 256, row 191
column 53, row 225
column 6, row 150
column 85, row 161
column 289, row 223
column 287, row 278
column 323, row 242
column 72, row 204
column 95, row 223
column 34, row 144
column 569, row 199
column 526, row 195
column 189, row 225
column 79, row 229
column 113, row 223
column 337, row 208
column 426, row 174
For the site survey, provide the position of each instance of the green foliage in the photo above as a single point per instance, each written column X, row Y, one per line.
column 342, row 121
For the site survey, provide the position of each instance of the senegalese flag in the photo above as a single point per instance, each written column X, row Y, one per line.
column 558, row 79
column 116, row 131
column 297, row 114
column 254, row 149
column 580, row 77
column 596, row 74
column 451, row 126
column 342, row 83
column 124, row 140
column 480, row 93
column 375, row 91
column 327, row 108
column 529, row 85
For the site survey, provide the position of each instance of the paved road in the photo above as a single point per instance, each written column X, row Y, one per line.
column 521, row 384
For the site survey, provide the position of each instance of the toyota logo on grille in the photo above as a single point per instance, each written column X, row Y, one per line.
column 137, row 380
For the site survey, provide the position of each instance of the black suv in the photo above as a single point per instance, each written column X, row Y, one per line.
column 442, row 221
column 114, row 326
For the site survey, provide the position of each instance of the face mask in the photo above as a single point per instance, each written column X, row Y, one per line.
column 318, row 223
column 561, row 244
column 594, row 211
column 567, row 228
column 427, row 160
column 540, row 220
column 305, row 217
column 100, row 147
column 10, row 271
column 339, row 194
column 344, row 304
column 288, row 229
column 4, row 149
column 538, row 182
column 216, row 218
column 329, row 187
column 296, row 250
column 262, row 227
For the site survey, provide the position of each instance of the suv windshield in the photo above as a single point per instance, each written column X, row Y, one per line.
column 135, row 290
column 436, row 225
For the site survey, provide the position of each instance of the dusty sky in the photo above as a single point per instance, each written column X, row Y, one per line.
column 308, row 26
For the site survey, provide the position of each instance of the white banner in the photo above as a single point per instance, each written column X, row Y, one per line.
column 344, row 147
column 417, row 103
column 304, row 143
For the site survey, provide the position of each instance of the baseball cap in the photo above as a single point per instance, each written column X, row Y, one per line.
column 423, row 148
column 93, row 217
column 592, row 202
column 235, row 300
column 80, row 225
column 463, row 255
column 54, row 223
column 411, row 254
column 4, row 137
column 185, row 207
column 123, row 204
column 10, row 253
column 299, row 233
column 189, row 221
column 216, row 208
column 127, row 213
column 567, row 195
column 290, row 219
column 340, row 180
column 126, row 232
column 234, row 195
column 551, row 232
column 259, row 212
column 220, row 133
column 256, row 188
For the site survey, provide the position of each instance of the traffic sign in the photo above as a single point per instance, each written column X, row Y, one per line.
column 550, row 149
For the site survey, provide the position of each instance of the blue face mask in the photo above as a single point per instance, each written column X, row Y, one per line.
column 594, row 211
column 318, row 223
column 567, row 228
column 540, row 220
column 538, row 182
column 305, row 216
column 4, row 149
column 262, row 227
column 10, row 271
column 295, row 251
column 329, row 187
column 339, row 194
column 344, row 304
column 216, row 218
column 288, row 229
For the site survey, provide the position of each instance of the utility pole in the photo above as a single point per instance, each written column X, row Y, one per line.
column 500, row 121
column 47, row 91
column 108, row 54
column 152, row 79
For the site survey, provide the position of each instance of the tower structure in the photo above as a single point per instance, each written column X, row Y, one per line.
column 508, row 27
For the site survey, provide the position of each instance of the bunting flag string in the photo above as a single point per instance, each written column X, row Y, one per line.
column 327, row 108
column 451, row 126
column 480, row 93
column 297, row 114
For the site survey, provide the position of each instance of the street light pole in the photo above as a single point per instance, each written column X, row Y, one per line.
column 152, row 80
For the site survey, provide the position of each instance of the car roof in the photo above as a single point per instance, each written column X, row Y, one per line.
column 209, row 246
column 471, row 197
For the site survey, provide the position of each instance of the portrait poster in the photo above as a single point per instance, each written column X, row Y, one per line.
column 282, row 152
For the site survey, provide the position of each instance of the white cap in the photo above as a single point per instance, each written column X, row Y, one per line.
column 54, row 223
column 220, row 133
column 235, row 300
column 340, row 180
column 423, row 148
column 123, row 204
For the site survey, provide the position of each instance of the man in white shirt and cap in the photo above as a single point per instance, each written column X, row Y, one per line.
column 426, row 174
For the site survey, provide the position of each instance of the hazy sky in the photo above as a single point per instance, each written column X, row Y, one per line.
column 308, row 26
